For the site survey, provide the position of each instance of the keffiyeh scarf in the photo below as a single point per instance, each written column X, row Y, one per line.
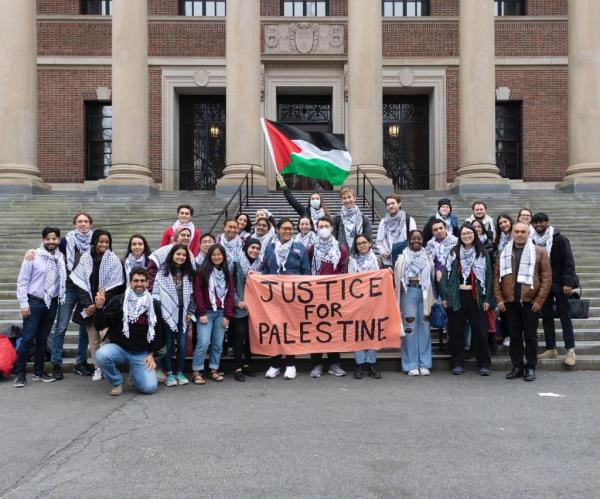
column 77, row 241
column 217, row 288
column 306, row 240
column 325, row 250
column 504, row 240
column 265, row 240
column 55, row 269
column 246, row 265
column 446, row 220
column 165, row 291
column 394, row 230
column 471, row 262
column 131, row 262
column 316, row 215
column 177, row 226
column 111, row 272
column 439, row 250
column 487, row 222
column 526, row 265
column 134, row 306
column 282, row 251
column 233, row 248
column 544, row 240
column 363, row 262
column 353, row 223
column 416, row 264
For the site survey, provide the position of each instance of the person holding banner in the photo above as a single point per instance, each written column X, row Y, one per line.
column 414, row 276
column 230, row 240
column 363, row 259
column 328, row 258
column 285, row 257
column 466, row 290
column 350, row 222
column 305, row 236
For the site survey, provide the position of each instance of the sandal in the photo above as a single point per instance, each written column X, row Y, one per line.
column 215, row 375
column 197, row 379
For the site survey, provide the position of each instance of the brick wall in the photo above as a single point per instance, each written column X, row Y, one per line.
column 155, row 122
column 547, row 7
column 452, row 123
column 531, row 39
column 58, row 7
column 444, row 7
column 186, row 39
column 82, row 38
column 163, row 7
column 418, row 39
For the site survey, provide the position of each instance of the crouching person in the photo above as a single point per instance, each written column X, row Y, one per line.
column 134, row 328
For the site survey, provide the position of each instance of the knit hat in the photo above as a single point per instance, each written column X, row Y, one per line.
column 249, row 242
column 444, row 201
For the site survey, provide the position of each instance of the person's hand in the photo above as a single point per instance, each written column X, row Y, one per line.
column 100, row 299
column 385, row 254
column 90, row 310
column 536, row 307
column 445, row 304
column 567, row 290
column 501, row 307
column 243, row 305
column 26, row 312
column 203, row 319
column 250, row 272
column 486, row 307
column 281, row 181
column 438, row 275
column 188, row 318
column 225, row 322
column 29, row 255
column 149, row 362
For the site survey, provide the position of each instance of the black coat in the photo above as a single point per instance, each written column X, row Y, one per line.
column 563, row 262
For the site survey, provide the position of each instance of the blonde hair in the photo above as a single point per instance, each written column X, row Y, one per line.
column 347, row 190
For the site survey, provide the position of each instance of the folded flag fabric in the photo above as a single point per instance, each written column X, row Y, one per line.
column 310, row 154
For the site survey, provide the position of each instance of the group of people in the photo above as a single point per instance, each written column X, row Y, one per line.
column 152, row 309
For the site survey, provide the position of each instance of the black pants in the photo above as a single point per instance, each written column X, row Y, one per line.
column 469, row 311
column 278, row 361
column 241, row 344
column 317, row 358
column 564, row 311
column 522, row 325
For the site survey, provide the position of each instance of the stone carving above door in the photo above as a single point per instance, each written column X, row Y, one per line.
column 304, row 39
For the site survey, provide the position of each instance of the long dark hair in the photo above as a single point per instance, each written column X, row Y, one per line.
column 476, row 241
column 498, row 229
column 207, row 265
column 248, row 222
column 169, row 266
column 95, row 236
column 146, row 247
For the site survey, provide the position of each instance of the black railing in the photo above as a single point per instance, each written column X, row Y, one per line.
column 361, row 177
column 247, row 185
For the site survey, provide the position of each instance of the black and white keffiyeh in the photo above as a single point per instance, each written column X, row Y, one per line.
column 131, row 262
column 246, row 265
column 316, row 215
column 77, row 241
column 265, row 240
column 134, row 306
column 233, row 248
column 325, row 250
column 178, row 226
column 544, row 240
column 306, row 240
column 526, row 265
column 111, row 272
column 353, row 223
column 363, row 262
column 504, row 240
column 159, row 256
column 56, row 276
column 165, row 292
column 446, row 220
column 244, row 235
column 471, row 262
column 217, row 288
column 487, row 222
column 416, row 264
column 393, row 230
column 282, row 251
column 200, row 259
column 441, row 249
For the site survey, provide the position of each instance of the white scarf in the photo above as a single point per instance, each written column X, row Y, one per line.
column 394, row 230
column 353, row 223
column 177, row 226
column 504, row 239
column 55, row 269
column 308, row 240
column 447, row 221
column 160, row 255
column 77, row 241
column 526, row 265
column 416, row 264
column 110, row 276
column 282, row 251
column 325, row 250
column 131, row 262
column 544, row 240
column 363, row 262
column 166, row 293
column 233, row 248
column 134, row 307
column 200, row 259
column 316, row 215
column 471, row 262
column 264, row 240
column 244, row 235
column 441, row 249
column 487, row 222
column 247, row 266
column 217, row 287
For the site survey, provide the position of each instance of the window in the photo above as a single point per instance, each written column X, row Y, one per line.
column 208, row 8
column 508, row 139
column 96, row 7
column 98, row 128
column 405, row 8
column 301, row 8
column 509, row 7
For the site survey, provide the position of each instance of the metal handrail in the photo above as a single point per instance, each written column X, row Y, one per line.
column 374, row 191
column 248, row 181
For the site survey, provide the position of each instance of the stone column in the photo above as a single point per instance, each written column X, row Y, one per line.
column 130, row 172
column 583, row 174
column 244, row 134
column 18, row 98
column 365, row 96
column 477, row 101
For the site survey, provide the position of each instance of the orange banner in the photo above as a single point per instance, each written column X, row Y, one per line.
column 294, row 315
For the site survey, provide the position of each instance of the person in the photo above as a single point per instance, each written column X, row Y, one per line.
column 134, row 324
column 248, row 261
column 444, row 213
column 285, row 257
column 138, row 253
column 466, row 290
column 173, row 290
column 394, row 228
column 327, row 257
column 98, row 269
column 184, row 220
column 244, row 227
column 485, row 237
column 350, row 222
column 315, row 208
column 263, row 213
column 230, row 240
column 414, row 275
column 41, row 287
column 504, row 224
column 159, row 257
column 479, row 209
column 264, row 231
column 525, row 215
column 363, row 259
column 214, row 294
column 522, row 280
column 72, row 246
column 206, row 241
column 564, row 280
column 440, row 245
column 306, row 236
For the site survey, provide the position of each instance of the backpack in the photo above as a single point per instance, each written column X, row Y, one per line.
column 8, row 356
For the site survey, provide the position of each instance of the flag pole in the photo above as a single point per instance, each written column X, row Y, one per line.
column 263, row 123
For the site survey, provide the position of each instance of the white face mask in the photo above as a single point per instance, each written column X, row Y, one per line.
column 324, row 233
column 315, row 203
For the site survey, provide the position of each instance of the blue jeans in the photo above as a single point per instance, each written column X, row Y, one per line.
column 368, row 356
column 170, row 336
column 416, row 345
column 63, row 317
column 110, row 355
column 211, row 334
column 36, row 329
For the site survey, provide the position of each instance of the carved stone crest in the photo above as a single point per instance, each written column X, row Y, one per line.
column 305, row 37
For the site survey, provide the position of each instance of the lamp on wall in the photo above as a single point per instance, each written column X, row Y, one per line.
column 394, row 131
column 214, row 131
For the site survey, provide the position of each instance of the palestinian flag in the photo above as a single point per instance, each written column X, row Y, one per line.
column 310, row 154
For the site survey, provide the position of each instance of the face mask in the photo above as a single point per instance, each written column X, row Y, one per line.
column 324, row 233
column 315, row 204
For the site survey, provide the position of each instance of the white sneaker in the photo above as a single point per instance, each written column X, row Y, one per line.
column 290, row 372
column 97, row 376
column 506, row 342
column 272, row 372
column 423, row 371
column 414, row 372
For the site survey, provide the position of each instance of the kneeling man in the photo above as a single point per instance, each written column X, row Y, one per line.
column 134, row 329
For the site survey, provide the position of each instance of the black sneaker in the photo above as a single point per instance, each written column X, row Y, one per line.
column 20, row 381
column 83, row 370
column 44, row 378
column 57, row 372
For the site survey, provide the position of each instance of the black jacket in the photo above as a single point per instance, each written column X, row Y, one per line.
column 563, row 262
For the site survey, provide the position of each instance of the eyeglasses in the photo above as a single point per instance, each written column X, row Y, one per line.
column 286, row 229
column 363, row 243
